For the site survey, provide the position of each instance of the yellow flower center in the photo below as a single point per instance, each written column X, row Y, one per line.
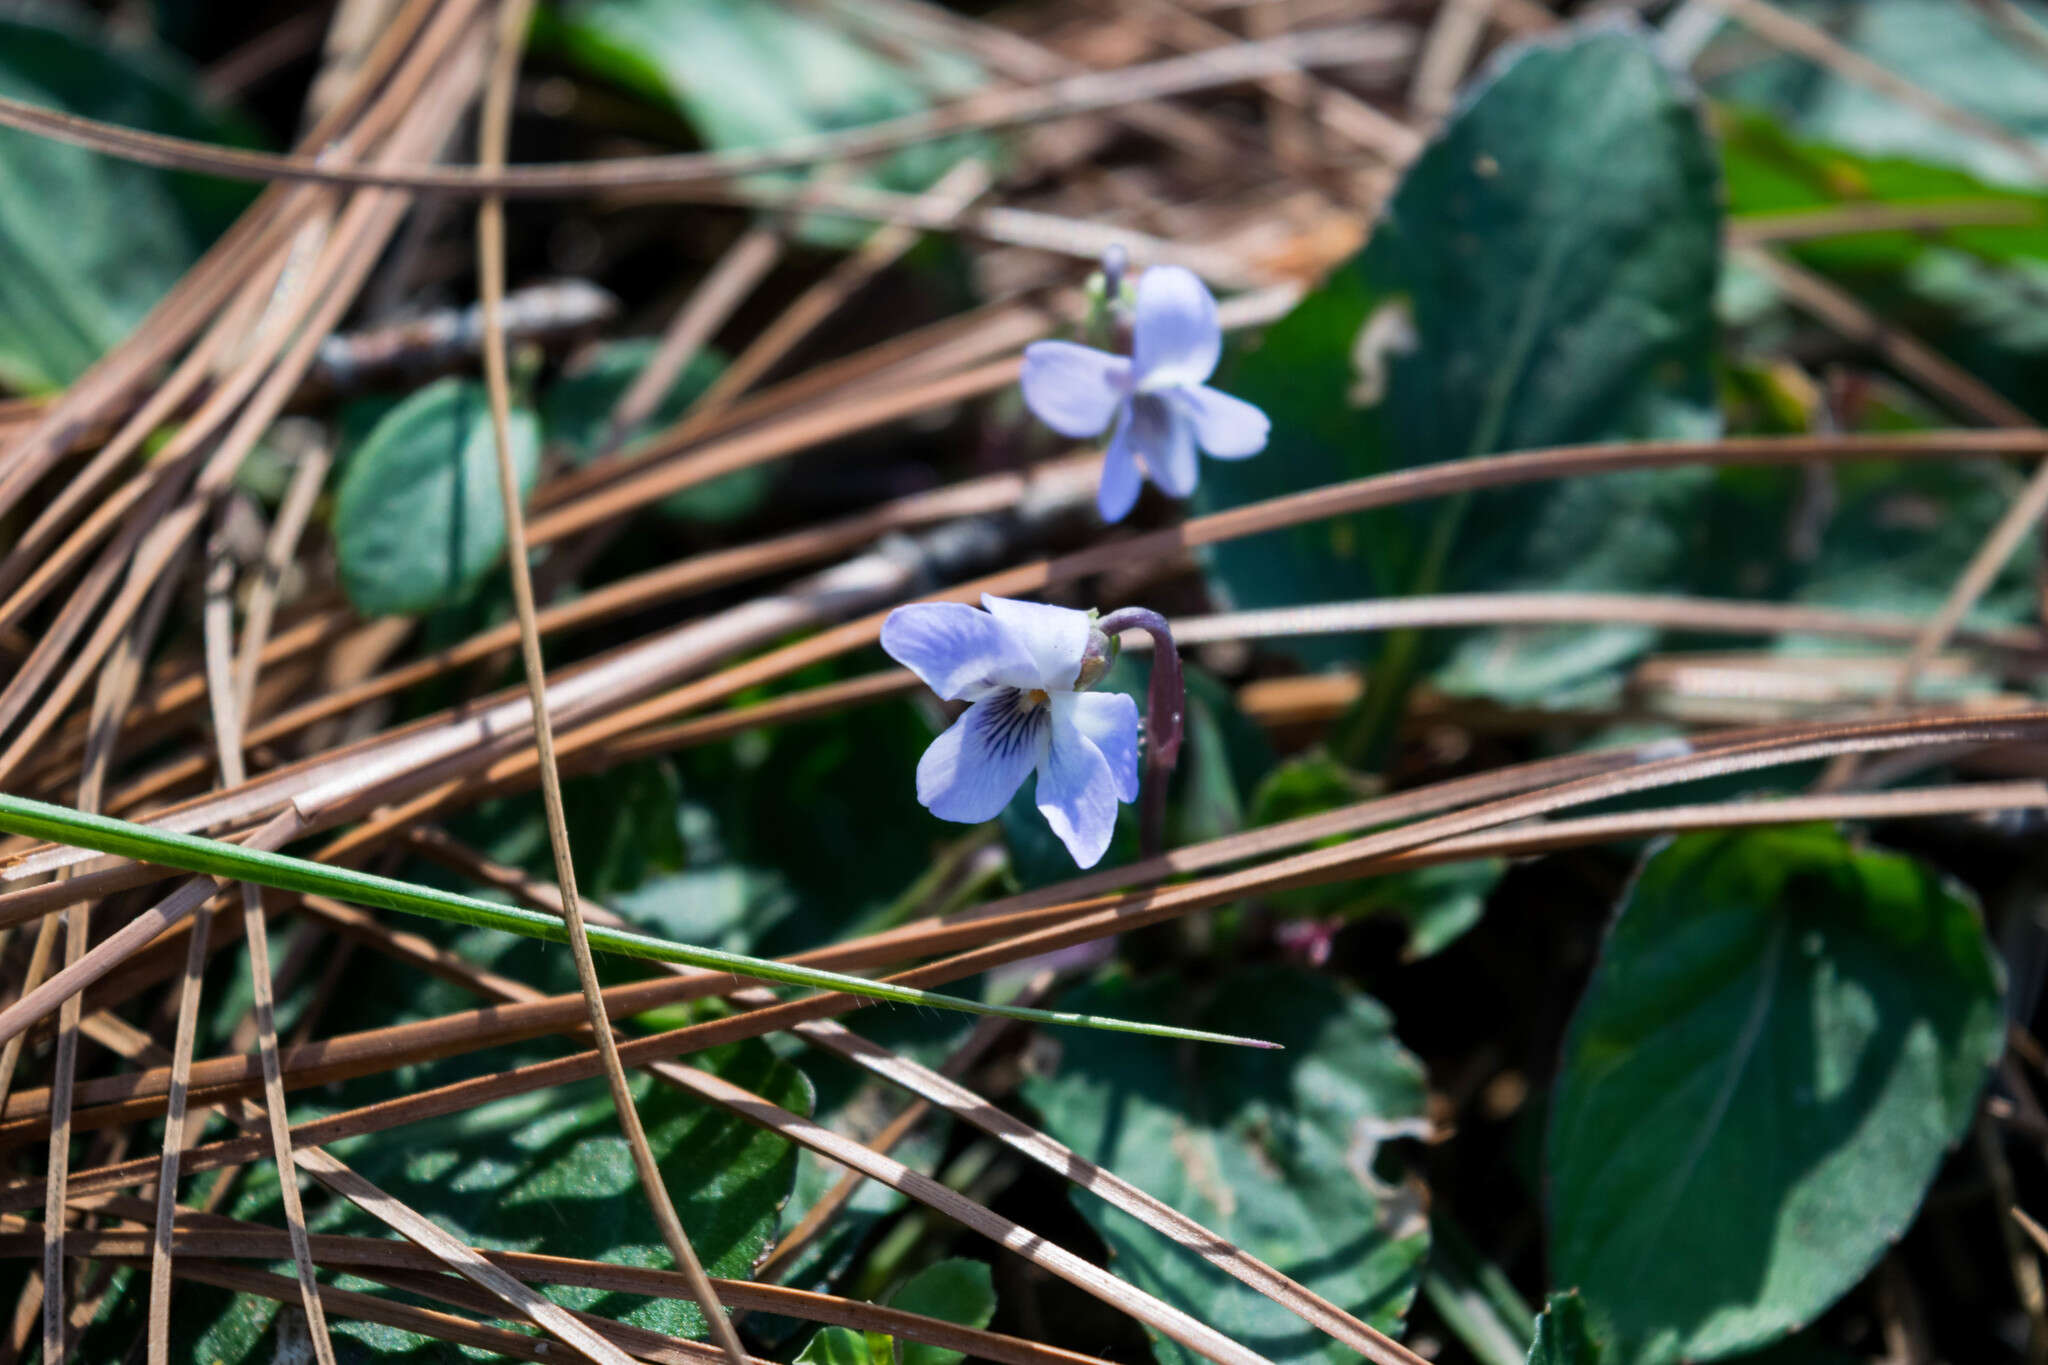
column 1036, row 698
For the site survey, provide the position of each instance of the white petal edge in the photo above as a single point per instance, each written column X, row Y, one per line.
column 958, row 651
column 1077, row 795
column 1054, row 638
column 1227, row 428
column 1109, row 721
column 1176, row 339
column 962, row 778
column 1073, row 389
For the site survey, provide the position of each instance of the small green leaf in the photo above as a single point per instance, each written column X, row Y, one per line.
column 89, row 243
column 1784, row 1036
column 956, row 1290
column 1563, row 1336
column 419, row 520
column 838, row 1346
column 1278, row 1157
column 1769, row 171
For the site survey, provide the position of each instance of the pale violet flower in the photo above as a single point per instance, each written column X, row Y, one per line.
column 1158, row 396
column 1021, row 664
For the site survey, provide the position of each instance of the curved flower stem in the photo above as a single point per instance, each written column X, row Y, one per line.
column 1165, row 705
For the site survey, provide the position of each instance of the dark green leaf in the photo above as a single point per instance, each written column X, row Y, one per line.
column 550, row 1172
column 418, row 519
column 1783, row 1037
column 88, row 243
column 1277, row 1154
column 1543, row 276
column 829, row 805
column 1563, row 1336
column 1224, row 754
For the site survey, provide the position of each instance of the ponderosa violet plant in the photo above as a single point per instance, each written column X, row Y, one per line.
column 1473, row 818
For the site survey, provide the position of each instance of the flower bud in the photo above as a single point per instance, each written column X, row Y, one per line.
column 1116, row 262
column 1097, row 657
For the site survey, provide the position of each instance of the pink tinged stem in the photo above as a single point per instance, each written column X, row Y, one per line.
column 1165, row 704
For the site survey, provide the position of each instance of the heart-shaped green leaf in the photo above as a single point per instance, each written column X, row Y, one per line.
column 1784, row 1036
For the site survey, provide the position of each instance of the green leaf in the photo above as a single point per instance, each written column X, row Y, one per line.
column 1975, row 292
column 1563, row 1336
column 1223, row 756
column 1783, row 1037
column 418, row 519
column 755, row 73
column 576, row 414
column 550, row 1172
column 1544, row 276
column 1770, row 171
column 837, row 1346
column 1278, row 1156
column 955, row 1290
column 89, row 243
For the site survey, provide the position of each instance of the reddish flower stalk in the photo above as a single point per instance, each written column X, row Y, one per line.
column 1165, row 704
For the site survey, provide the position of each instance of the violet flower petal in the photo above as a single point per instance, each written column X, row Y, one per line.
column 1077, row 794
column 1176, row 339
column 972, row 770
column 1073, row 389
column 1109, row 720
column 1225, row 427
column 960, row 653
column 1054, row 638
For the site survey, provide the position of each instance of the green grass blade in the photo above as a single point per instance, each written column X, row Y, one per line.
column 190, row 853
